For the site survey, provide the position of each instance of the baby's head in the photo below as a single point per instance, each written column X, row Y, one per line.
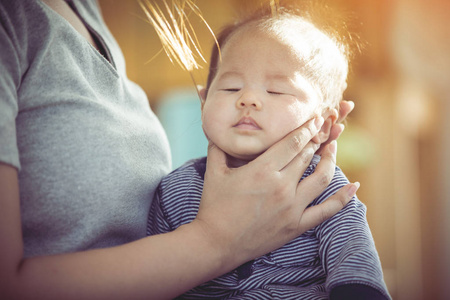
column 275, row 73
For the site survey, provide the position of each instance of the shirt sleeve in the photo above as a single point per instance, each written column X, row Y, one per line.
column 355, row 291
column 347, row 249
column 9, row 82
column 177, row 199
column 157, row 221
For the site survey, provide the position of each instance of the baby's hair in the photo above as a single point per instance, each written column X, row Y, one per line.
column 327, row 62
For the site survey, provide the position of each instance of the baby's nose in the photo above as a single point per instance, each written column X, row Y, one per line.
column 249, row 99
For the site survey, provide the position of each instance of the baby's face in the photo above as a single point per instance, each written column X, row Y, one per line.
column 257, row 97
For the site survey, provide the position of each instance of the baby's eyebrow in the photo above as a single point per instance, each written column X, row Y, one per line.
column 279, row 77
column 229, row 74
column 296, row 81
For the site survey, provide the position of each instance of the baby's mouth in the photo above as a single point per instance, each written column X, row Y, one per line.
column 247, row 123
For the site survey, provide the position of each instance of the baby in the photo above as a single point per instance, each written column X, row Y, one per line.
column 275, row 73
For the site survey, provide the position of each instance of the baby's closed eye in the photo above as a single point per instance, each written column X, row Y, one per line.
column 275, row 93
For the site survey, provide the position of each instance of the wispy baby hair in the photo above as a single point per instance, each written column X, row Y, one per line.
column 324, row 41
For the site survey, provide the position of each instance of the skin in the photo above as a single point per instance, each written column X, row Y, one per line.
column 258, row 96
column 220, row 239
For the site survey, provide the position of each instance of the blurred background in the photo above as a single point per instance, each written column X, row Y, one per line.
column 396, row 142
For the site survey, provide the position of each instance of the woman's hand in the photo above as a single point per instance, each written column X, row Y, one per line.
column 249, row 211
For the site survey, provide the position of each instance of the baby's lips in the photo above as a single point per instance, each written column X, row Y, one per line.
column 247, row 122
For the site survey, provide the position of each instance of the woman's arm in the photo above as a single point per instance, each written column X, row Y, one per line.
column 225, row 234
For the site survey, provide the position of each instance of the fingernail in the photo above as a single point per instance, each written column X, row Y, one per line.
column 353, row 188
column 319, row 122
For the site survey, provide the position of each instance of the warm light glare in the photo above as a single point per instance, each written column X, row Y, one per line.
column 176, row 33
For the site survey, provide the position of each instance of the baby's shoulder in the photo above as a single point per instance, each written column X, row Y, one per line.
column 183, row 182
column 192, row 169
column 180, row 192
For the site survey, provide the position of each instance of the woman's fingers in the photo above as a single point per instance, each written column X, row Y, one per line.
column 313, row 185
column 317, row 214
column 335, row 132
column 298, row 165
column 283, row 152
column 345, row 107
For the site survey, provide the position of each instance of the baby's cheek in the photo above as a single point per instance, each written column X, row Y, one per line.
column 206, row 127
column 288, row 124
column 211, row 128
column 205, row 133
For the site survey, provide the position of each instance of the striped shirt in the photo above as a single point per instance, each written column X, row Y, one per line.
column 339, row 252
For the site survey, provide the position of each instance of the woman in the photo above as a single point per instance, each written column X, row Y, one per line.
column 81, row 155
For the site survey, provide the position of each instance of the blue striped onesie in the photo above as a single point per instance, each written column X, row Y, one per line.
column 336, row 260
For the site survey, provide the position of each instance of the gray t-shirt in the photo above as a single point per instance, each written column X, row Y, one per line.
column 89, row 150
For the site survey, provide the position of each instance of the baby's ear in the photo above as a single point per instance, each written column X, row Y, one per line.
column 202, row 94
column 330, row 117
